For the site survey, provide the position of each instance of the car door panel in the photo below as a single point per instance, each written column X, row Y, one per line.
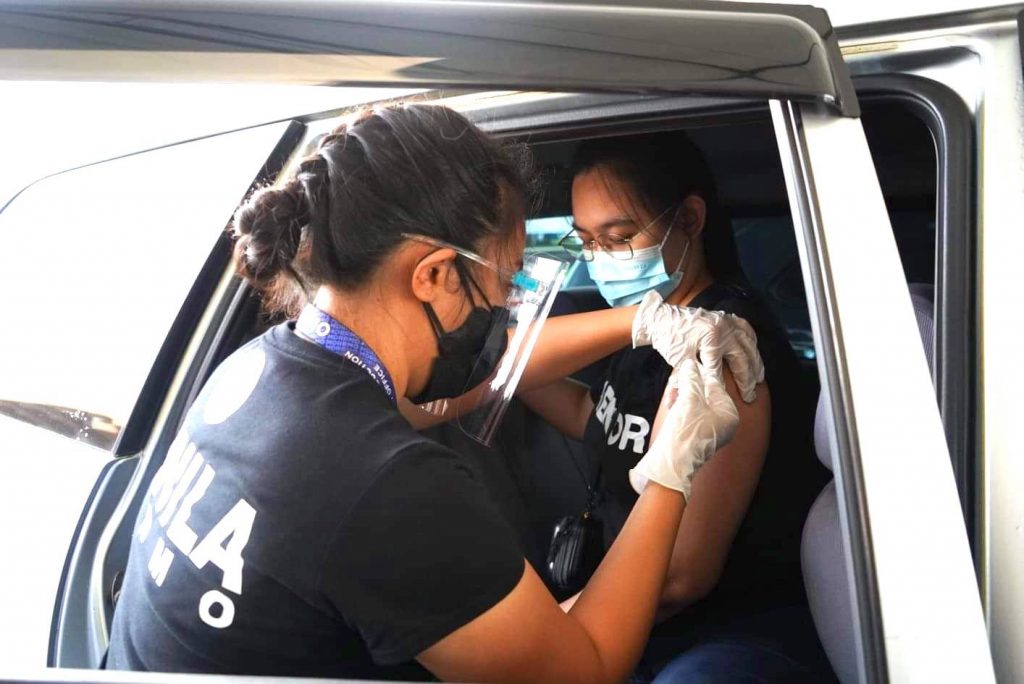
column 79, row 641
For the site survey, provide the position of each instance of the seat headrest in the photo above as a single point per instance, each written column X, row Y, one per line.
column 922, row 297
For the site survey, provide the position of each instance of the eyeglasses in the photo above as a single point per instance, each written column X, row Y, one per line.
column 508, row 278
column 615, row 246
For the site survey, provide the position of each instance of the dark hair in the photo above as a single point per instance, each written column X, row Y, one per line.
column 416, row 168
column 658, row 171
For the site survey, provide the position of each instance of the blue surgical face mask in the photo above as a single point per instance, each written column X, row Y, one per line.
column 624, row 282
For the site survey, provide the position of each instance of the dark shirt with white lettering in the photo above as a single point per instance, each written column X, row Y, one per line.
column 762, row 571
column 300, row 526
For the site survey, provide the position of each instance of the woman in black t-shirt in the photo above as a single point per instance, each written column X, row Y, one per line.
column 300, row 526
column 646, row 220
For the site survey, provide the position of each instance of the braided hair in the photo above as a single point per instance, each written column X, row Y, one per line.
column 422, row 169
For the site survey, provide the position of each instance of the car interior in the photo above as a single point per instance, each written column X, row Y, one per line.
column 745, row 161
column 537, row 475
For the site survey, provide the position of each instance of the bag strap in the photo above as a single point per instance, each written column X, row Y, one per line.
column 591, row 488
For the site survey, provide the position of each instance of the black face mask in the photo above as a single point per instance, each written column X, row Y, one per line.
column 467, row 355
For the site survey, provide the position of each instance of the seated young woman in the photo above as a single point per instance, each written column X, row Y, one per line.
column 646, row 217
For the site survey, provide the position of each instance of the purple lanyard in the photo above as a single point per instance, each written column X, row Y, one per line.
column 323, row 330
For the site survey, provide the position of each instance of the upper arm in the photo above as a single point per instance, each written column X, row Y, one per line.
column 565, row 404
column 526, row 637
column 722, row 491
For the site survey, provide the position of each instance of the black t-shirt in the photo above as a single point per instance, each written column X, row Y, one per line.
column 762, row 570
column 300, row 526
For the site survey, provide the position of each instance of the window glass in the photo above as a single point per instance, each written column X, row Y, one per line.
column 767, row 251
column 95, row 266
column 542, row 236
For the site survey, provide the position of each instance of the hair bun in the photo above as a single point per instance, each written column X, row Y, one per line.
column 268, row 231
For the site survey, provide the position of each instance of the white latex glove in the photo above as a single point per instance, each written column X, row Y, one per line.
column 679, row 332
column 701, row 418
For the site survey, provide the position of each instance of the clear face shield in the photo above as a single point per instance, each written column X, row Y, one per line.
column 493, row 382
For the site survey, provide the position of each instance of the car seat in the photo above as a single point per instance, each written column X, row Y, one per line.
column 824, row 564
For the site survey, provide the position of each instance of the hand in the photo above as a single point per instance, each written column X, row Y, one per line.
column 679, row 333
column 700, row 419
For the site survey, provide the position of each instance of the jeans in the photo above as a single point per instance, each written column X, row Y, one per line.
column 733, row 661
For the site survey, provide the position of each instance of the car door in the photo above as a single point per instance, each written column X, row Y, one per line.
column 916, row 605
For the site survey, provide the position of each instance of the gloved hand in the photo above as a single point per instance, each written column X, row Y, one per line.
column 679, row 332
column 700, row 419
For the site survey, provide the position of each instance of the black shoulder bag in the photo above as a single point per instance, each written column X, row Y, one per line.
column 577, row 544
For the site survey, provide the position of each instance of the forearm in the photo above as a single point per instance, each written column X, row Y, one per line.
column 618, row 605
column 565, row 345
column 442, row 411
column 564, row 404
column 568, row 343
column 680, row 592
